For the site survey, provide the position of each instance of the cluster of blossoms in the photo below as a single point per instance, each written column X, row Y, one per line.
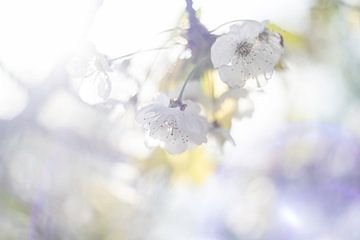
column 248, row 50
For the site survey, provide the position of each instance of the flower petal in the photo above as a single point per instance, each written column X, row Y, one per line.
column 177, row 147
column 222, row 50
column 147, row 114
column 95, row 88
column 234, row 75
column 162, row 99
column 196, row 127
column 247, row 30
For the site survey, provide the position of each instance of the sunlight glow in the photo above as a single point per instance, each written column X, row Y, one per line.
column 290, row 217
column 13, row 97
column 40, row 34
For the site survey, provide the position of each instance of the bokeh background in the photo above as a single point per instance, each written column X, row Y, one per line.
column 74, row 170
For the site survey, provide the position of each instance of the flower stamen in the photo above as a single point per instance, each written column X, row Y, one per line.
column 243, row 49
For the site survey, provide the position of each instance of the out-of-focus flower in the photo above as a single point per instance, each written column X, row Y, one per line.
column 175, row 125
column 220, row 134
column 92, row 69
column 246, row 51
column 95, row 86
column 245, row 106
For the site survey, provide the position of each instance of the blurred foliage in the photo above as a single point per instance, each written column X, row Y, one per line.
column 291, row 40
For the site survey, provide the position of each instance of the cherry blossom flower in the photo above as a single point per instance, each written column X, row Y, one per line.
column 91, row 70
column 96, row 86
column 247, row 51
column 176, row 126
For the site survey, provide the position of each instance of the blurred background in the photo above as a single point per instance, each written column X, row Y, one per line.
column 73, row 163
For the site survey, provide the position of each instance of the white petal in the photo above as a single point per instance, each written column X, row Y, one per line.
column 147, row 114
column 104, row 85
column 234, row 75
column 235, row 93
column 247, row 30
column 261, row 60
column 194, row 127
column 157, row 128
column 102, row 62
column 162, row 99
column 176, row 148
column 222, row 50
column 264, row 58
column 95, row 88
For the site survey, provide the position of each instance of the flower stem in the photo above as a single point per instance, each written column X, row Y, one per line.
column 201, row 63
column 189, row 77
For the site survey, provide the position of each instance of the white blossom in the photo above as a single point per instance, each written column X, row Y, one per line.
column 176, row 126
column 91, row 71
column 247, row 51
column 96, row 86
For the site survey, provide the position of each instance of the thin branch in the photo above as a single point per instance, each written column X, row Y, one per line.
column 189, row 77
column 137, row 52
column 226, row 23
column 353, row 6
column 172, row 30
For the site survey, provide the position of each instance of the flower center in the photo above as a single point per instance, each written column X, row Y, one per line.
column 243, row 49
column 171, row 126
